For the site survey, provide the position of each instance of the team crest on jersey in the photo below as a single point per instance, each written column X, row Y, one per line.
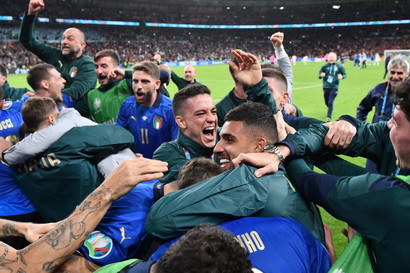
column 98, row 244
column 7, row 104
column 73, row 72
column 157, row 123
column 97, row 103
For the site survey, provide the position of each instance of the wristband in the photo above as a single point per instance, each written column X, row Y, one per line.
column 270, row 148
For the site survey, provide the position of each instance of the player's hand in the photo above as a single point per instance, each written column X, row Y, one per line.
column 36, row 231
column 290, row 109
column 35, row 6
column 266, row 162
column 277, row 39
column 322, row 75
column 131, row 172
column 249, row 71
column 339, row 76
column 117, row 74
column 283, row 128
column 340, row 134
column 4, row 144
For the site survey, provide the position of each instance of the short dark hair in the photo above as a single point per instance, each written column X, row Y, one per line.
column 35, row 110
column 203, row 249
column 185, row 93
column 402, row 97
column 108, row 53
column 197, row 170
column 38, row 73
column 276, row 73
column 3, row 70
column 257, row 118
column 148, row 67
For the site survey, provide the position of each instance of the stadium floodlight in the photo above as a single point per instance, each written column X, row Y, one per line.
column 228, row 8
column 282, row 8
column 336, row 6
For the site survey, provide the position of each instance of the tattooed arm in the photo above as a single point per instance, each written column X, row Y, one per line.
column 50, row 251
column 32, row 232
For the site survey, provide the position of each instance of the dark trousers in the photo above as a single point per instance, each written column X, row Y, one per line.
column 330, row 96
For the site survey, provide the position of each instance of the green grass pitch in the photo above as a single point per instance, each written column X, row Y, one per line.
column 307, row 95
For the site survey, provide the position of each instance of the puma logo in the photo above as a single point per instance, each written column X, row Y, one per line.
column 122, row 230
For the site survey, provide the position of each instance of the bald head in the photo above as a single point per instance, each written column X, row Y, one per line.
column 332, row 57
column 72, row 43
column 189, row 73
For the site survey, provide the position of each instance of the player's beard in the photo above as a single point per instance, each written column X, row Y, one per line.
column 146, row 99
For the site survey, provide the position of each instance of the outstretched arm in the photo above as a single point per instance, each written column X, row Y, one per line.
column 48, row 253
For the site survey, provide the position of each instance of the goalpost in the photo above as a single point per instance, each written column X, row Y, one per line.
column 393, row 52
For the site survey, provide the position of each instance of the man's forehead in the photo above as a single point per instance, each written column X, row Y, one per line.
column 141, row 75
column 398, row 69
column 231, row 128
column 200, row 100
column 105, row 60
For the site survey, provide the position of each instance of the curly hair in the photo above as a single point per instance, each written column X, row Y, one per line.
column 205, row 249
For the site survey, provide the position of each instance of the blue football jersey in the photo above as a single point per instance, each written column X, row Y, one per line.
column 150, row 126
column 122, row 229
column 10, row 122
column 274, row 244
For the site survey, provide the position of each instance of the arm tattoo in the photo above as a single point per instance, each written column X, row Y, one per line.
column 9, row 230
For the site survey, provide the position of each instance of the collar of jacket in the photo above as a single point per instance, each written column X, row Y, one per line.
column 194, row 148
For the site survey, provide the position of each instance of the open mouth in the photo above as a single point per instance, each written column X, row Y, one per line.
column 209, row 132
column 102, row 77
column 225, row 163
column 139, row 95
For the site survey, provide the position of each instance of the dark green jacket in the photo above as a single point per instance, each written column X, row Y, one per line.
column 371, row 141
column 332, row 71
column 79, row 73
column 13, row 93
column 177, row 153
column 377, row 206
column 60, row 178
column 232, row 194
column 181, row 82
column 257, row 93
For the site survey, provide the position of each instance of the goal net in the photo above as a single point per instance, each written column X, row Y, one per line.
column 393, row 52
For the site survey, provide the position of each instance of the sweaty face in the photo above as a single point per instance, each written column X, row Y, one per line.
column 56, row 84
column 234, row 139
column 199, row 121
column 397, row 75
column 103, row 67
column 189, row 74
column 145, row 88
column 72, row 43
column 400, row 138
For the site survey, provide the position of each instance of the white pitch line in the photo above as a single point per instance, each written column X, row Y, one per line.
column 305, row 87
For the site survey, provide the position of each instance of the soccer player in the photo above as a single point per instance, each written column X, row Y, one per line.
column 189, row 77
column 148, row 114
column 76, row 68
column 249, row 127
column 105, row 101
column 331, row 73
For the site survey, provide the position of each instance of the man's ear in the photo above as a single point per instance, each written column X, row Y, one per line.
column 44, row 84
column 180, row 122
column 260, row 144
